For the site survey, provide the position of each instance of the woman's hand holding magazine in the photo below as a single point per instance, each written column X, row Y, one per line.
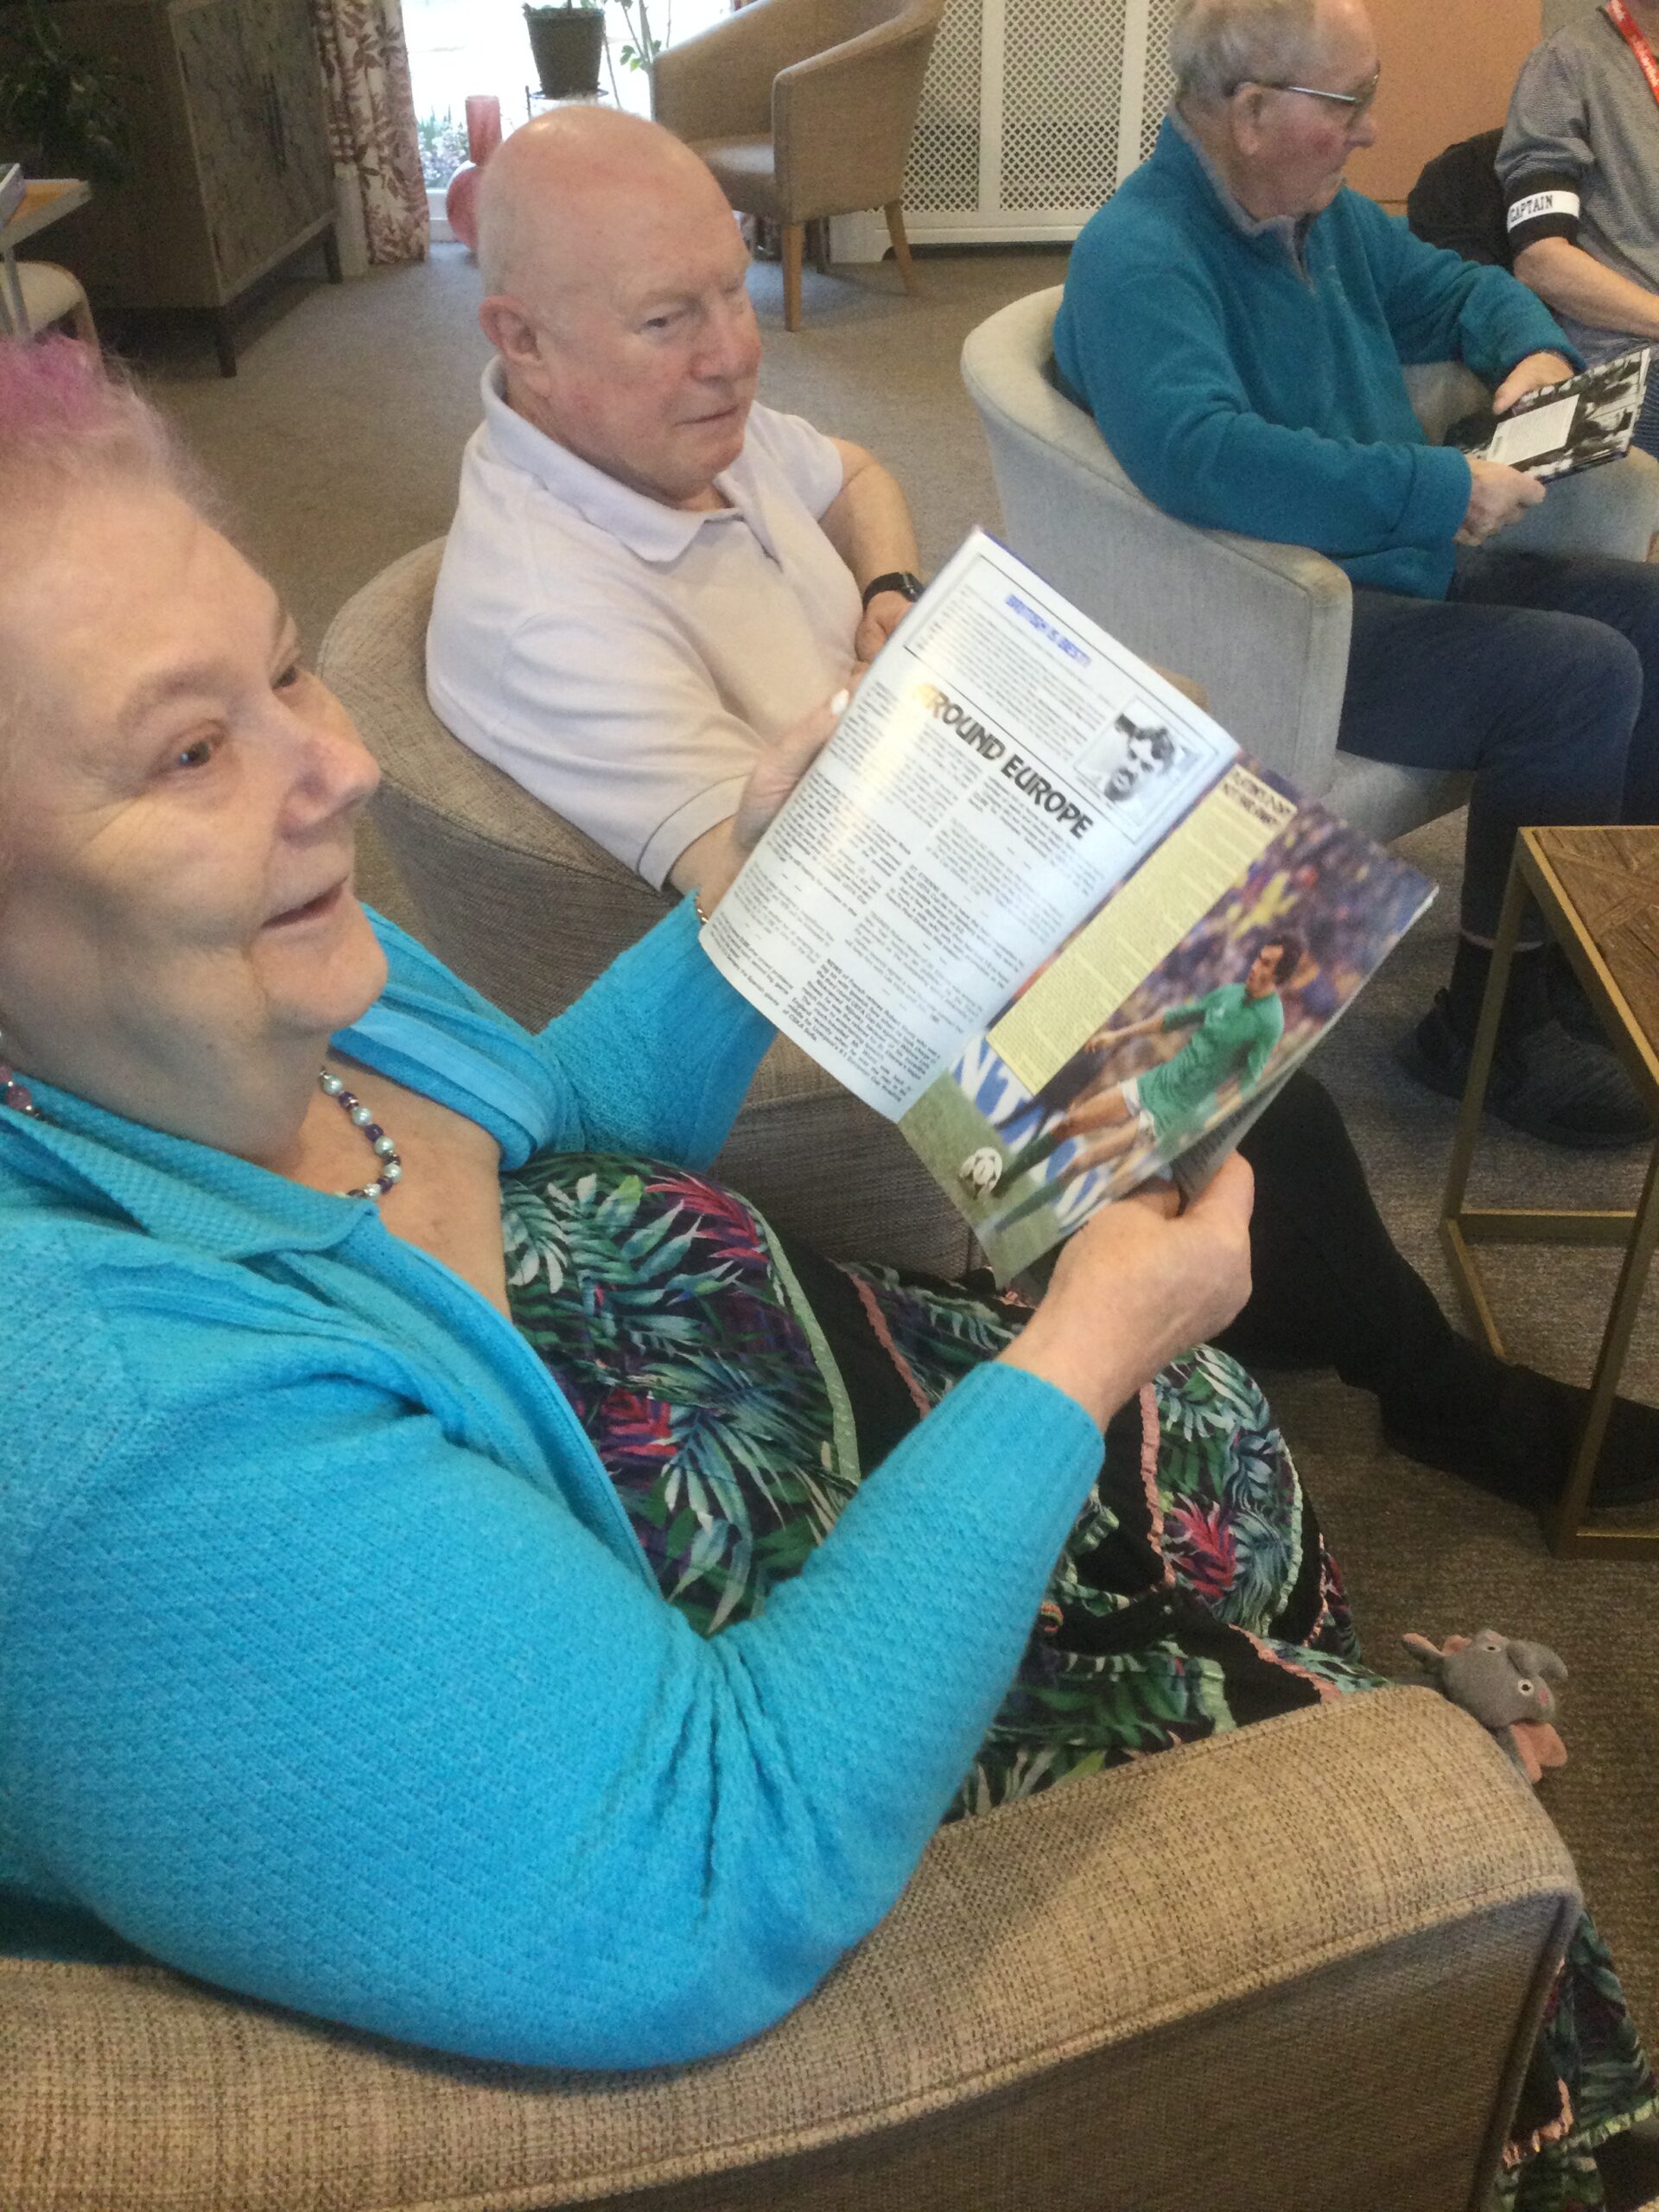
column 1190, row 1271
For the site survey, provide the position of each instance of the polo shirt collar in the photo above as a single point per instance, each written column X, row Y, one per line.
column 646, row 526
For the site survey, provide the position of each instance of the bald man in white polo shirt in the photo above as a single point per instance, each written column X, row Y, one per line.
column 648, row 577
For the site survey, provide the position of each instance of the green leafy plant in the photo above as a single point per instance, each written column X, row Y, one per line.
column 644, row 46
column 63, row 106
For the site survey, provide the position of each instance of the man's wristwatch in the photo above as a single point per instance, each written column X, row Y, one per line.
column 899, row 580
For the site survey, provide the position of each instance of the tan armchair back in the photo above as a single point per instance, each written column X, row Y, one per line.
column 804, row 109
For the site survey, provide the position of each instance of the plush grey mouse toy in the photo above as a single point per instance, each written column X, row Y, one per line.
column 1506, row 1686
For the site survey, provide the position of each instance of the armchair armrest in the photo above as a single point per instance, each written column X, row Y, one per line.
column 1445, row 393
column 1613, row 510
column 1340, row 1926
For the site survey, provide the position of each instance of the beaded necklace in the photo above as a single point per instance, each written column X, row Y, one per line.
column 17, row 1094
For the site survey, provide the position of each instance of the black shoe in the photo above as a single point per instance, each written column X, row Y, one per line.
column 1567, row 999
column 1523, row 1448
column 1569, row 1091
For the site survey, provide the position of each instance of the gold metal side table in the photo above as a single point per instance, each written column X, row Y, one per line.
column 1599, row 892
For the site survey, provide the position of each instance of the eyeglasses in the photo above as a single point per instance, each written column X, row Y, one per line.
column 1355, row 103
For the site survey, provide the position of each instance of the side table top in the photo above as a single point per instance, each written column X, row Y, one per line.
column 44, row 199
column 1611, row 879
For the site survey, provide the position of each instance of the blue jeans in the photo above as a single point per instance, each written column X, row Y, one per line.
column 1540, row 673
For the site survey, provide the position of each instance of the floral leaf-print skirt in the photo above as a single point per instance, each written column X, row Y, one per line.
column 737, row 1389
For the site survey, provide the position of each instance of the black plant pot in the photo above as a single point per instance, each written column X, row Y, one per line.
column 568, row 46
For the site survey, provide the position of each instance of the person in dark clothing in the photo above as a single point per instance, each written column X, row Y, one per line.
column 1457, row 202
column 1333, row 1289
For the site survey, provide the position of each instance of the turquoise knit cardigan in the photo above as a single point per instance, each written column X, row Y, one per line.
column 330, row 1670
column 1240, row 389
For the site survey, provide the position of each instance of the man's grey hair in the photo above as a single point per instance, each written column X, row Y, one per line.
column 1217, row 44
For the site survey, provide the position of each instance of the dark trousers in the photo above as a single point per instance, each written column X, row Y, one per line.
column 1329, row 1287
column 1540, row 673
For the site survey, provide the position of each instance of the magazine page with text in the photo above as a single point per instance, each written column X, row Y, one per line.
column 1003, row 766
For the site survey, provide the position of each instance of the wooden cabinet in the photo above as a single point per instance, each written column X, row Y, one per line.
column 231, row 175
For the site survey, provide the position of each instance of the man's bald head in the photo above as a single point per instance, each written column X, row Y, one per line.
column 616, row 299
column 566, row 195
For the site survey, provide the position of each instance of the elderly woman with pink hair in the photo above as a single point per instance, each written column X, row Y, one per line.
column 464, row 1573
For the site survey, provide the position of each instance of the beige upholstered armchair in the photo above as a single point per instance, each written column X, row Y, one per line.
column 804, row 109
column 1292, row 1969
column 1264, row 628
column 529, row 911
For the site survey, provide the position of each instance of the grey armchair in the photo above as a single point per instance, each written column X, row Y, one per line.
column 1264, row 627
column 804, row 109
column 529, row 911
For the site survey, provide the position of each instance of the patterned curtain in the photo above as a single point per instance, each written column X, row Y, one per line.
column 371, row 126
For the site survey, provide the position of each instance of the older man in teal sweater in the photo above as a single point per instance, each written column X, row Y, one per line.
column 1237, row 321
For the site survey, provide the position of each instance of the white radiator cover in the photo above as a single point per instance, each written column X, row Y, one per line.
column 1032, row 113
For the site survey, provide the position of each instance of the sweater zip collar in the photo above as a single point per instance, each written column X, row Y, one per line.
column 1289, row 233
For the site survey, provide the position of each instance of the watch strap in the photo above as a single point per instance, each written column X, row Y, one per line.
column 899, row 580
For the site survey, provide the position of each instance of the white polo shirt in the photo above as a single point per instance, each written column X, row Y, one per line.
column 624, row 660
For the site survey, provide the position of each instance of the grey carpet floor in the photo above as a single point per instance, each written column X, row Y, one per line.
column 338, row 447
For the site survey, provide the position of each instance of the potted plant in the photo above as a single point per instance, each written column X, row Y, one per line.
column 568, row 44
column 61, row 112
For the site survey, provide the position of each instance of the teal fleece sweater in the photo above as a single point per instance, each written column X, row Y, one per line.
column 330, row 1671
column 1241, row 389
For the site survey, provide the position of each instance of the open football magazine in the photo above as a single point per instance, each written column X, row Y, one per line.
column 1036, row 908
column 1562, row 428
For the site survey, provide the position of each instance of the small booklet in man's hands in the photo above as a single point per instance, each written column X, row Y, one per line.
column 1562, row 428
column 1035, row 906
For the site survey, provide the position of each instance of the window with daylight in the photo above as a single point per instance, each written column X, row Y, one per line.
column 458, row 46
